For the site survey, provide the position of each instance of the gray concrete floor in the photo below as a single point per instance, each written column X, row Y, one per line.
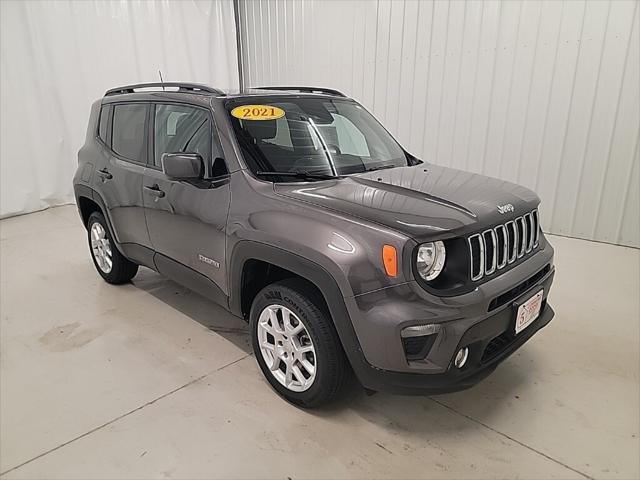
column 150, row 380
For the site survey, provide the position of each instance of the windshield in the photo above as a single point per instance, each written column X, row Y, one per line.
column 314, row 136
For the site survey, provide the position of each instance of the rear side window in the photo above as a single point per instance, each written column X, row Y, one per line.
column 181, row 129
column 104, row 124
column 128, row 131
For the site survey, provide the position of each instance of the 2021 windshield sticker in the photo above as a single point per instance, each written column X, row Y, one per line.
column 257, row 112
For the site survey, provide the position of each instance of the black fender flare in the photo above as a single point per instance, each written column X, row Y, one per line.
column 82, row 191
column 246, row 250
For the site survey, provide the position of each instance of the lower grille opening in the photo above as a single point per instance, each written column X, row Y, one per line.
column 519, row 289
column 503, row 341
column 417, row 348
column 496, row 346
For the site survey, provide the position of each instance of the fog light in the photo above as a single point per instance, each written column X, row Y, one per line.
column 461, row 357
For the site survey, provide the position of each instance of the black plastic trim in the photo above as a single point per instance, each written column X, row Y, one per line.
column 460, row 285
column 417, row 348
column 191, row 279
column 247, row 249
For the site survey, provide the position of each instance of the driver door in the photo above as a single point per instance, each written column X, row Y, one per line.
column 187, row 219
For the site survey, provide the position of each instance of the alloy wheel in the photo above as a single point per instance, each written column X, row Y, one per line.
column 101, row 247
column 287, row 348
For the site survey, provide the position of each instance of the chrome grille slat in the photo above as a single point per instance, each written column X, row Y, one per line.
column 513, row 246
column 529, row 237
column 502, row 260
column 536, row 227
column 502, row 245
column 478, row 239
column 522, row 232
column 490, row 247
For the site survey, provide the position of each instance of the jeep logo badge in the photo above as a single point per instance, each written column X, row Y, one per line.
column 505, row 208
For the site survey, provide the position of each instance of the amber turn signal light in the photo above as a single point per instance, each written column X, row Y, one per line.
column 390, row 260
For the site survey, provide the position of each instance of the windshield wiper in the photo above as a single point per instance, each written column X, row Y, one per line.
column 382, row 167
column 301, row 174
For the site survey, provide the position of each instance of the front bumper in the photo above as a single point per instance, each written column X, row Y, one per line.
column 478, row 339
column 470, row 320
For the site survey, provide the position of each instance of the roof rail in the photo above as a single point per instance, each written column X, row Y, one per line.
column 328, row 91
column 182, row 87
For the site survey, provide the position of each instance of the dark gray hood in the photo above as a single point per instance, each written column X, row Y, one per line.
column 423, row 201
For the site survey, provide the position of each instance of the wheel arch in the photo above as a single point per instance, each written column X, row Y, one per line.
column 89, row 201
column 247, row 254
column 246, row 251
column 87, row 206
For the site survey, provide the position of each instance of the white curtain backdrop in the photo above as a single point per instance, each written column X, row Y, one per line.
column 59, row 56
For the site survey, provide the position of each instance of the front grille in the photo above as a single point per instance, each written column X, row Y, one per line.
column 503, row 244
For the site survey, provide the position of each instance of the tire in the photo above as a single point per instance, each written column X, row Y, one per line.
column 121, row 269
column 331, row 367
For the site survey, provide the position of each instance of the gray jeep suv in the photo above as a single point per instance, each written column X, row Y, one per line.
column 293, row 208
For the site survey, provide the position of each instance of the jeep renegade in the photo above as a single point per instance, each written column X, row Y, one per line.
column 294, row 209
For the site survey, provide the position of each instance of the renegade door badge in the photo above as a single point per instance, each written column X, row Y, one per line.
column 208, row 260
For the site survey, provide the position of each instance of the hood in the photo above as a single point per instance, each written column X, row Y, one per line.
column 422, row 201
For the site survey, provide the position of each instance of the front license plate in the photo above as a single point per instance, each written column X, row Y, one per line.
column 528, row 311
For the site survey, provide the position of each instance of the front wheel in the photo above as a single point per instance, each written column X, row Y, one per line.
column 296, row 344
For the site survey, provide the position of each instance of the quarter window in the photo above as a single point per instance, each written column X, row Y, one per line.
column 128, row 131
column 181, row 129
column 103, row 127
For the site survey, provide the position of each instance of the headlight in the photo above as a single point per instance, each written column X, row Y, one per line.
column 430, row 260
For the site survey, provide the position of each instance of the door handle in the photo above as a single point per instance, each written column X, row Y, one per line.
column 104, row 174
column 155, row 191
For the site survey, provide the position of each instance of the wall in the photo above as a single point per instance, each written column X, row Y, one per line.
column 58, row 57
column 545, row 94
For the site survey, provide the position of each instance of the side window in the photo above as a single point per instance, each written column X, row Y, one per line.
column 103, row 125
column 180, row 128
column 127, row 137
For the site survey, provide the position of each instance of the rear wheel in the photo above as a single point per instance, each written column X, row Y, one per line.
column 109, row 262
column 296, row 345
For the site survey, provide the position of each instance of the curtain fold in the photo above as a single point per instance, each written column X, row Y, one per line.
column 57, row 57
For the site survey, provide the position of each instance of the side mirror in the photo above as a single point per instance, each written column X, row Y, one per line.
column 183, row 166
